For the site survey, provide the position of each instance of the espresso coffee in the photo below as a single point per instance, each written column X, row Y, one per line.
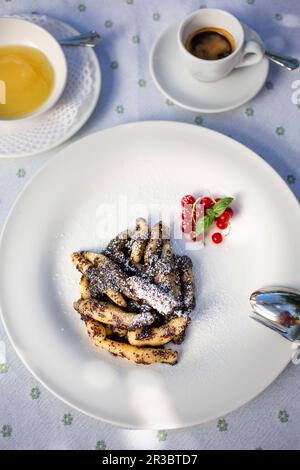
column 210, row 43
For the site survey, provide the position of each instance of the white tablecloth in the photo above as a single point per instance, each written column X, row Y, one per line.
column 30, row 417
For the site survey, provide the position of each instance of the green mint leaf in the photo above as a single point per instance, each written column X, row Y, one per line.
column 221, row 206
column 205, row 222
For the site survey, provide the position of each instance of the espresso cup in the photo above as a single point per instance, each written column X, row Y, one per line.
column 246, row 51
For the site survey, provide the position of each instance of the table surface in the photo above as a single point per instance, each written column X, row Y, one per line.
column 30, row 417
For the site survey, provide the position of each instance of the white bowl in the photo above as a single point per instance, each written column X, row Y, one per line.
column 24, row 33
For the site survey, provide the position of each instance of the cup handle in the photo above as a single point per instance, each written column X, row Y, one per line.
column 252, row 54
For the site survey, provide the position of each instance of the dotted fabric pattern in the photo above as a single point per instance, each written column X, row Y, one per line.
column 30, row 417
column 48, row 130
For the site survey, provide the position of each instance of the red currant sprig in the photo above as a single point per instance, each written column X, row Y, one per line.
column 194, row 209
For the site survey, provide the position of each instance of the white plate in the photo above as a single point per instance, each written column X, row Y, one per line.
column 227, row 358
column 60, row 123
column 175, row 82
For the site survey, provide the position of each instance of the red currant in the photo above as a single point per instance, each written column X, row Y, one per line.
column 217, row 238
column 188, row 200
column 207, row 202
column 218, row 199
column 186, row 226
column 221, row 224
column 229, row 211
column 225, row 218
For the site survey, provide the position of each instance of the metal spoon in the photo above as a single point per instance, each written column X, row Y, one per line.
column 278, row 308
column 89, row 39
column 290, row 63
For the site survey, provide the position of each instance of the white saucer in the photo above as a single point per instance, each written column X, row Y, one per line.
column 44, row 132
column 175, row 82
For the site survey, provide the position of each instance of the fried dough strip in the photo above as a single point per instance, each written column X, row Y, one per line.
column 167, row 275
column 140, row 237
column 81, row 262
column 108, row 330
column 178, row 339
column 113, row 330
column 97, row 334
column 152, row 295
column 85, row 266
column 111, row 276
column 94, row 328
column 115, row 250
column 158, row 336
column 105, row 312
column 174, row 277
column 116, row 297
column 185, row 267
column 143, row 319
column 153, row 248
column 84, row 287
column 145, row 315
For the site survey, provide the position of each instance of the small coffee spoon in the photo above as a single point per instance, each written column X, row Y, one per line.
column 89, row 39
column 289, row 63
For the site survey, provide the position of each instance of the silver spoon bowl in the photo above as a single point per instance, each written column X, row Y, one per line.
column 278, row 308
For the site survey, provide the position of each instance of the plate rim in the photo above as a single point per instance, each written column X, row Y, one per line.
column 192, row 108
column 177, row 124
column 85, row 116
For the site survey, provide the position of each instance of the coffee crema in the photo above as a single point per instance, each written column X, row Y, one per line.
column 210, row 43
